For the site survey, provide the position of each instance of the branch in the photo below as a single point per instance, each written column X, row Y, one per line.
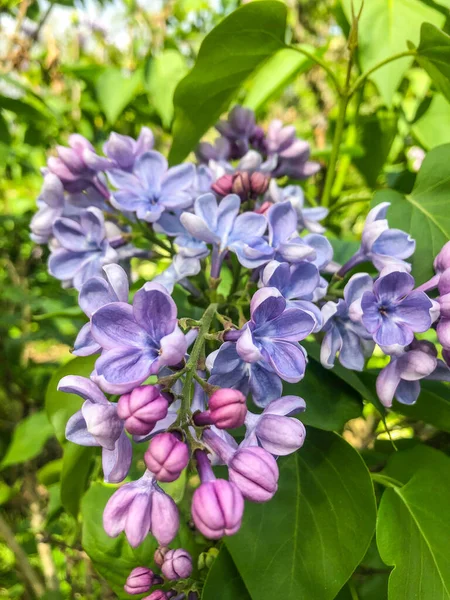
column 321, row 63
column 362, row 78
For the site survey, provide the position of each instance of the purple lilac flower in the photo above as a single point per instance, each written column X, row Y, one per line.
column 97, row 424
column 83, row 248
column 97, row 292
column 274, row 429
column 382, row 246
column 151, row 188
column 139, row 508
column 293, row 153
column 229, row 370
column 219, row 151
column 273, row 333
column 50, row 206
column 308, row 218
column 252, row 162
column 240, row 130
column 221, row 225
column 297, row 284
column 401, row 377
column 136, row 340
column 72, row 168
column 122, row 151
column 288, row 246
column 344, row 333
column 393, row 312
column 178, row 272
column 187, row 245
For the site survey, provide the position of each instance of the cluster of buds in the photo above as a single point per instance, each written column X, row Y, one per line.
column 246, row 185
column 174, row 565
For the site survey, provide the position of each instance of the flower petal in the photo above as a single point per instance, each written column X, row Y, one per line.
column 64, row 264
column 331, row 344
column 114, row 325
column 82, row 386
column 118, row 280
column 407, row 392
column 117, row 462
column 286, row 358
column 94, row 294
column 246, row 347
column 282, row 220
column 286, row 406
column 150, row 168
column 395, row 243
column 393, row 286
column 177, row 179
column 76, row 431
column 414, row 310
column 292, row 325
column 120, row 370
column 387, row 383
column 155, row 311
column 85, row 345
column 266, row 304
column 70, row 234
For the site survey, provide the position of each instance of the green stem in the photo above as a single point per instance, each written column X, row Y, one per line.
column 385, row 480
column 192, row 363
column 349, row 201
column 325, row 66
column 362, row 78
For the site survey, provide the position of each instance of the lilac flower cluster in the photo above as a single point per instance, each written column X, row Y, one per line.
column 183, row 383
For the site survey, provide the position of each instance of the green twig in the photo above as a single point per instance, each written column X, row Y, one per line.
column 362, row 78
column 325, row 66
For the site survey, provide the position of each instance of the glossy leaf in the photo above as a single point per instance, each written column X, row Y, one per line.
column 413, row 526
column 433, row 127
column 433, row 54
column 274, row 75
column 59, row 405
column 223, row 581
column 115, row 91
column 302, row 544
column 77, row 465
column 432, row 406
column 165, row 71
column 228, row 55
column 424, row 213
column 29, row 438
column 384, row 29
column 324, row 410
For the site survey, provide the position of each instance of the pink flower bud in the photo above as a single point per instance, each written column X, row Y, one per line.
column 157, row 595
column 159, row 555
column 217, row 505
column 140, row 580
column 259, row 183
column 177, row 564
column 442, row 260
column 227, row 410
column 255, row 473
column 263, row 208
column 142, row 408
column 223, row 185
column 166, row 457
column 241, row 185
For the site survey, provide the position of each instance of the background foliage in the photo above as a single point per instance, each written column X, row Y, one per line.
column 97, row 67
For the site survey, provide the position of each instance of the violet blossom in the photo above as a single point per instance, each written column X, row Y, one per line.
column 240, row 130
column 151, row 188
column 292, row 153
column 308, row 218
column 344, row 333
column 97, row 424
column 136, row 340
column 83, row 248
column 121, row 151
column 393, row 312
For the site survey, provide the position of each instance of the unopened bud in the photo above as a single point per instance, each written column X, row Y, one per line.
column 259, row 183
column 177, row 564
column 227, row 410
column 166, row 457
column 255, row 473
column 241, row 185
column 142, row 408
column 140, row 580
column 223, row 185
column 442, row 260
column 159, row 555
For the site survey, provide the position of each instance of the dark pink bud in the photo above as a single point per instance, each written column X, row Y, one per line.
column 227, row 410
column 442, row 260
column 444, row 283
column 255, row 473
column 142, row 408
column 159, row 555
column 263, row 208
column 217, row 505
column 140, row 580
column 259, row 183
column 157, row 595
column 241, row 185
column 166, row 457
column 223, row 185
column 177, row 564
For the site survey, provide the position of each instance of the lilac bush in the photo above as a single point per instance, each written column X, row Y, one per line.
column 178, row 381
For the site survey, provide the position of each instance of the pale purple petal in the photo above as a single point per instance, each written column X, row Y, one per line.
column 407, row 392
column 94, row 294
column 150, row 168
column 394, row 242
column 177, row 179
column 282, row 220
column 85, row 345
column 248, row 222
column 323, row 248
column 154, row 310
column 351, row 355
column 102, row 422
column 82, row 386
column 118, row 281
column 265, row 385
column 295, row 250
column 286, row 406
column 414, row 310
column 173, row 348
column 93, row 224
column 117, row 462
column 114, row 325
column 267, row 303
column 393, row 286
column 76, row 431
column 387, row 383
column 70, row 234
column 331, row 344
column 357, row 285
column 286, row 358
column 120, row 370
column 304, row 278
column 292, row 325
column 246, row 347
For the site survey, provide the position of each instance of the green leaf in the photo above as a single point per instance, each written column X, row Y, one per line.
column 59, row 405
column 165, row 72
column 228, row 55
column 114, row 558
column 275, row 74
column 29, row 437
column 5, row 136
column 433, row 127
column 223, row 581
column 115, row 91
column 432, row 406
column 324, row 410
column 377, row 133
column 77, row 465
column 424, row 213
column 51, row 472
column 433, row 54
column 413, row 527
column 384, row 29
column 308, row 540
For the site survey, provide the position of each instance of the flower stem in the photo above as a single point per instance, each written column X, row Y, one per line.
column 362, row 78
column 325, row 66
column 385, row 480
column 191, row 366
